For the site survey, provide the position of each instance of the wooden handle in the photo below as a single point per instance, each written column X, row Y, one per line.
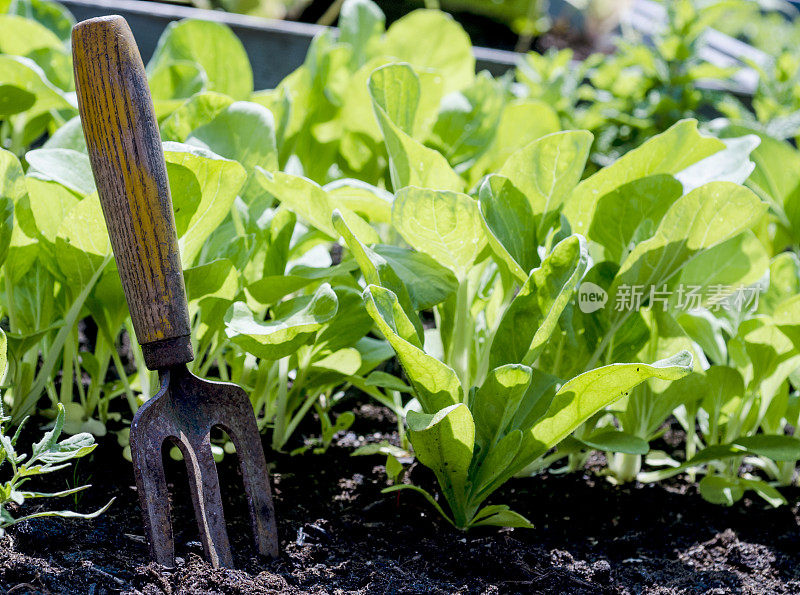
column 128, row 163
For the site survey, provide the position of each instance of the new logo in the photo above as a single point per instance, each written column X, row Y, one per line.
column 591, row 297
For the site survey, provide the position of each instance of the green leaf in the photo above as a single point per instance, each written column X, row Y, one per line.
column 82, row 244
column 784, row 282
column 384, row 380
column 776, row 178
column 532, row 316
column 349, row 325
column 68, row 167
column 631, row 213
column 395, row 92
column 493, row 461
column 736, row 263
column 358, row 116
column 28, row 403
column 444, row 225
column 536, row 400
column 64, row 514
column 766, row 491
column 49, row 203
column 443, row 442
column 468, row 119
column 706, row 330
column 378, row 271
column 52, row 15
column 428, row 282
column 370, row 202
column 216, row 279
column 547, row 170
column 361, row 25
column 777, row 448
column 731, row 164
column 272, row 289
column 193, row 113
column 373, row 352
column 3, row 355
column 497, row 401
column 292, row 325
column 309, row 201
column 721, row 490
column 787, row 319
column 436, row 385
column 773, row 356
column 667, row 153
column 500, row 516
column 26, row 88
column 15, row 100
column 509, row 224
column 346, row 362
column 616, row 441
column 522, row 122
column 50, row 437
column 243, row 131
column 203, row 186
column 585, row 395
column 68, row 136
column 697, row 221
column 431, row 39
column 12, row 190
column 171, row 83
column 20, row 36
column 211, row 46
column 57, row 66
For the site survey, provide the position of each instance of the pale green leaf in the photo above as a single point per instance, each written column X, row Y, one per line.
column 212, row 46
column 433, row 39
column 435, row 384
column 447, row 226
column 667, row 153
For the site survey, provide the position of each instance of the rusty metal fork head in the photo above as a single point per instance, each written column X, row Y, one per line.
column 184, row 411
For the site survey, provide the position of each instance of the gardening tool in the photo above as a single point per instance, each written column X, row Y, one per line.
column 128, row 164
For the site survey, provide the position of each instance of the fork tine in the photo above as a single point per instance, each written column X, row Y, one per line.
column 151, row 483
column 242, row 429
column 207, row 500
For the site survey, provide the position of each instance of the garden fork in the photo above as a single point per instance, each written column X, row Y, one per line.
column 127, row 159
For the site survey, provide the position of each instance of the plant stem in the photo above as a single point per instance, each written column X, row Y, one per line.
column 124, row 379
column 65, row 395
column 462, row 337
column 281, row 403
column 626, row 466
column 212, row 357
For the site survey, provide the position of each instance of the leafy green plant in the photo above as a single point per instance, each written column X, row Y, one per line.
column 639, row 91
column 46, row 456
column 744, row 405
column 500, row 319
column 470, row 220
column 36, row 72
column 474, row 440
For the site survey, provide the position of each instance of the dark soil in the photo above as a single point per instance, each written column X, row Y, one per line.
column 339, row 534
